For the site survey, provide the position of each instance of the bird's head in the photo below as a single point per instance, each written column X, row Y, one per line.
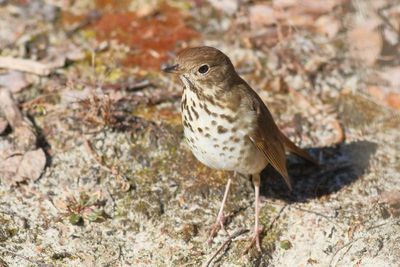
column 203, row 67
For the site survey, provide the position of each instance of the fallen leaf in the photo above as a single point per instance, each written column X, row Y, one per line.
column 15, row 81
column 22, row 128
column 393, row 100
column 392, row 75
column 378, row 4
column 11, row 28
column 392, row 198
column 8, row 169
column 144, row 8
column 376, row 92
column 391, row 36
column 25, row 137
column 300, row 20
column 308, row 6
column 262, row 14
column 365, row 44
column 227, row 6
column 32, row 165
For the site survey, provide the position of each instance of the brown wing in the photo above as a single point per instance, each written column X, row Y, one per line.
column 291, row 147
column 267, row 137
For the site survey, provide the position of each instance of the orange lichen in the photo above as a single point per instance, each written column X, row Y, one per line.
column 149, row 35
column 149, row 38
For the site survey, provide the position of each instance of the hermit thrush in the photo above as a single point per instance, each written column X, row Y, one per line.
column 226, row 124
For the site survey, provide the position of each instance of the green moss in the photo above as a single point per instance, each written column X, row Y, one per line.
column 285, row 244
column 4, row 235
column 145, row 178
column 12, row 231
column 143, row 208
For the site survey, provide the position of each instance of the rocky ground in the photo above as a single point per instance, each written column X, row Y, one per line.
column 94, row 170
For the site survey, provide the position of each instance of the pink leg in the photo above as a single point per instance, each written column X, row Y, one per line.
column 257, row 230
column 219, row 224
column 256, row 182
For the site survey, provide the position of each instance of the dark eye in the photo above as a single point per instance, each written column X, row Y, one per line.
column 203, row 69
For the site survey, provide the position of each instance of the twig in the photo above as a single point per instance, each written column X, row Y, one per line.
column 347, row 250
column 31, row 66
column 128, row 86
column 380, row 225
column 342, row 247
column 321, row 215
column 237, row 233
column 137, row 85
column 277, row 217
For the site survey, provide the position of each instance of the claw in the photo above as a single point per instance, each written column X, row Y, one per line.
column 219, row 224
column 255, row 240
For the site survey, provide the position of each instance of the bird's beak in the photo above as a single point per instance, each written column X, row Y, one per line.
column 171, row 68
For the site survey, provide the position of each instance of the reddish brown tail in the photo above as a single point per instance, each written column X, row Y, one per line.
column 291, row 147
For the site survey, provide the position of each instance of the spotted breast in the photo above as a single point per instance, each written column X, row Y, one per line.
column 218, row 135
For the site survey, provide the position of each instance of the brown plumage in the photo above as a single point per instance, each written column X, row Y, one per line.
column 269, row 139
column 226, row 123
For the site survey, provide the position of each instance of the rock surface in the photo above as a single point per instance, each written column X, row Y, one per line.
column 121, row 188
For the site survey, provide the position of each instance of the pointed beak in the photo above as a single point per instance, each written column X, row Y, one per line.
column 171, row 68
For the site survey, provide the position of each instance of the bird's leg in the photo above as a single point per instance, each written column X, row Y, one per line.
column 219, row 224
column 257, row 230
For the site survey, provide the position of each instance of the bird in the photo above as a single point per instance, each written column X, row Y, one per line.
column 227, row 125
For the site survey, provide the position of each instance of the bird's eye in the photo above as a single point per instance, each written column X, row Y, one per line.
column 203, row 69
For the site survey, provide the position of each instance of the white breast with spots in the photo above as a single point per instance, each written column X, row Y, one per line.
column 215, row 141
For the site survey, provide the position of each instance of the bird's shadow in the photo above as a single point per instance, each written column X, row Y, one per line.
column 339, row 167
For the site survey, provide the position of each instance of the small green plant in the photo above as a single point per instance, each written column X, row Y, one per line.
column 84, row 208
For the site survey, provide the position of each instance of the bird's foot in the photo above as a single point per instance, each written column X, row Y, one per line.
column 255, row 240
column 219, row 225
